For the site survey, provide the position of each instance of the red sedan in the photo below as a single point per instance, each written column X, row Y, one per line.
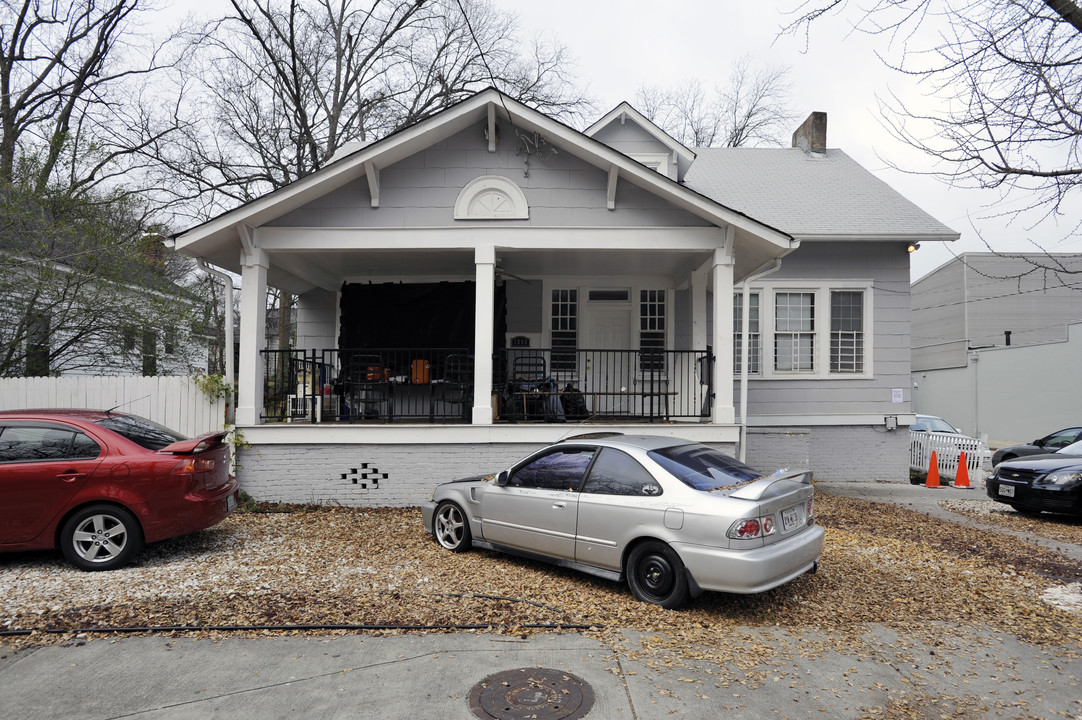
column 100, row 484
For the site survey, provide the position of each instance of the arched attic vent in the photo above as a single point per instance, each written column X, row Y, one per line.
column 491, row 197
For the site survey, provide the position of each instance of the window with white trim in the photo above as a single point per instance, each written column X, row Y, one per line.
column 846, row 331
column 565, row 335
column 818, row 330
column 652, row 330
column 794, row 332
column 754, row 343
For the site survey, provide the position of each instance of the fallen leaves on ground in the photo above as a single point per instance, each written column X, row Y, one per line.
column 881, row 565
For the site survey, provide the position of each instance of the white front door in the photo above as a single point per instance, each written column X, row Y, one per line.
column 608, row 327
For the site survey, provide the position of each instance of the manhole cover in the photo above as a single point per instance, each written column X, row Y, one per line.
column 531, row 693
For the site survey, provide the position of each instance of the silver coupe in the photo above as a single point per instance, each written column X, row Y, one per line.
column 672, row 517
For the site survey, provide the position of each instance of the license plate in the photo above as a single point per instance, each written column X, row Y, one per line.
column 790, row 518
column 1006, row 490
column 231, row 503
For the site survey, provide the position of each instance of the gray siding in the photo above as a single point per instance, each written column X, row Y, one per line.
column 629, row 138
column 420, row 191
column 1008, row 294
column 971, row 301
column 888, row 265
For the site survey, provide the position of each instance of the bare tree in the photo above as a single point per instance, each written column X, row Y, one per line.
column 71, row 74
column 285, row 84
column 750, row 110
column 1006, row 76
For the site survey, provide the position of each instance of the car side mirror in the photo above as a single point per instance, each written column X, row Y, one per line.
column 501, row 479
column 1039, row 442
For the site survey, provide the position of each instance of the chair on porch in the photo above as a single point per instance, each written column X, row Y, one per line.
column 368, row 388
column 529, row 379
column 456, row 386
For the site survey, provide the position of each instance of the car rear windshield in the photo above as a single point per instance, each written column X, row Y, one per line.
column 703, row 468
column 141, row 431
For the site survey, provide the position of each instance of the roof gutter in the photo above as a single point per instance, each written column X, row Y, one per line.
column 227, row 315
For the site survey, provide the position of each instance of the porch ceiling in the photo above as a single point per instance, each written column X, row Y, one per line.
column 298, row 272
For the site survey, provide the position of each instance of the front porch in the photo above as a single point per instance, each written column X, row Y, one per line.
column 437, row 386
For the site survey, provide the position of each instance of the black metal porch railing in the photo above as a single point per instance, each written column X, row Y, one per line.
column 386, row 385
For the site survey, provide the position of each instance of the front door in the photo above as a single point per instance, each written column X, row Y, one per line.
column 610, row 372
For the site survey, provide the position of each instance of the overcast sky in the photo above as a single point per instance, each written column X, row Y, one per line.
column 621, row 45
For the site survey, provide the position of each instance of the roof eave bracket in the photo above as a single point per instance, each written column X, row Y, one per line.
column 372, row 171
column 614, row 175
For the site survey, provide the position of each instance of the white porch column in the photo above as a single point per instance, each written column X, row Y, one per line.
column 723, row 334
column 253, row 335
column 700, row 278
column 483, row 328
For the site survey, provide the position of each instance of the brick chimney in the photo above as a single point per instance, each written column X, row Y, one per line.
column 812, row 135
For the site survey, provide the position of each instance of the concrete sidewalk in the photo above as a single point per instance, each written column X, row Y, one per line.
column 432, row 676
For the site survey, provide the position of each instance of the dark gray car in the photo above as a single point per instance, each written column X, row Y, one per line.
column 1047, row 444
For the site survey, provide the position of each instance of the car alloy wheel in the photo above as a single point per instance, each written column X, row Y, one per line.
column 655, row 574
column 450, row 527
column 101, row 537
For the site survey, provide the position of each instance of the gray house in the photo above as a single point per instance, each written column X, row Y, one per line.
column 490, row 280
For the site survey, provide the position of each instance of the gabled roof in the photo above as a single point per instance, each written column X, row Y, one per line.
column 217, row 239
column 812, row 196
column 625, row 111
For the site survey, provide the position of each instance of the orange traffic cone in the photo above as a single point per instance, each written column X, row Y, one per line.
column 933, row 473
column 961, row 478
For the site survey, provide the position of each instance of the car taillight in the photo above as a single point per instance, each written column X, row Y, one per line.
column 194, row 465
column 750, row 528
column 809, row 511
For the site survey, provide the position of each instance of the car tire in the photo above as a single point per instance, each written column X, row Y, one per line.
column 655, row 574
column 101, row 537
column 450, row 527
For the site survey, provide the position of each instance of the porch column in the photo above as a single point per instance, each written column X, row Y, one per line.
column 253, row 335
column 700, row 278
column 483, row 328
column 724, row 412
column 696, row 381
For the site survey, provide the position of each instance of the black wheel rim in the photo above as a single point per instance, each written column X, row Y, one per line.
column 450, row 527
column 656, row 576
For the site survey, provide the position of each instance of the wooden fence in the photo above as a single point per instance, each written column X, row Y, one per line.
column 176, row 402
column 948, row 448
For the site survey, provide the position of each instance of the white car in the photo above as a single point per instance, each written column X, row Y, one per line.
column 672, row 517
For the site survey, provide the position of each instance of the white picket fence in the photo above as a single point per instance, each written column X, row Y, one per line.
column 948, row 448
column 175, row 402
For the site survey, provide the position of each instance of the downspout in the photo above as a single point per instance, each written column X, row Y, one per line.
column 227, row 301
column 745, row 322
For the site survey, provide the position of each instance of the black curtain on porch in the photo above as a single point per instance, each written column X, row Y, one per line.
column 414, row 316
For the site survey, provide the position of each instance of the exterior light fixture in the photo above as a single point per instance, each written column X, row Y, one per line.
column 912, row 247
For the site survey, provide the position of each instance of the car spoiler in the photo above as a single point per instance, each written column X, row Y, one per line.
column 203, row 442
column 769, row 486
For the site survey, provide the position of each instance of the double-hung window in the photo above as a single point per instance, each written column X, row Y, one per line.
column 794, row 332
column 799, row 331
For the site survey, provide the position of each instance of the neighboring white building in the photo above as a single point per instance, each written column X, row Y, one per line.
column 434, row 267
column 997, row 343
column 983, row 300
